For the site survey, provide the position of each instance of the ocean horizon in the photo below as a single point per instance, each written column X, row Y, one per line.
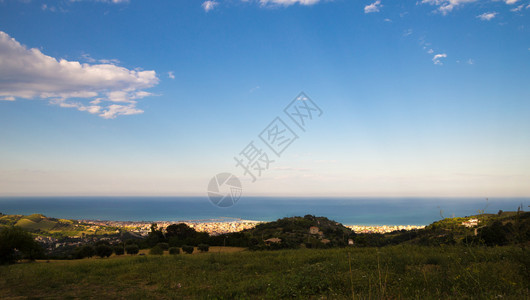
column 348, row 211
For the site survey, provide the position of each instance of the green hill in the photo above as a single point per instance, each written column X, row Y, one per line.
column 294, row 232
column 42, row 225
column 488, row 229
column 36, row 222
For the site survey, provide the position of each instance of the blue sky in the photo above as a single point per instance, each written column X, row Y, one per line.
column 419, row 98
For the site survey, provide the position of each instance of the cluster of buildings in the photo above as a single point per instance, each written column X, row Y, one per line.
column 470, row 223
column 52, row 244
column 217, row 228
column 212, row 227
column 382, row 228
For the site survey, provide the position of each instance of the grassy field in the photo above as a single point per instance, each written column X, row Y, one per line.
column 390, row 272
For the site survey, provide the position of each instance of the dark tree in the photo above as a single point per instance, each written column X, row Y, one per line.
column 174, row 250
column 155, row 236
column 132, row 249
column 494, row 234
column 85, row 251
column 16, row 243
column 103, row 250
column 203, row 247
column 187, row 249
column 181, row 231
column 163, row 246
column 156, row 250
column 119, row 250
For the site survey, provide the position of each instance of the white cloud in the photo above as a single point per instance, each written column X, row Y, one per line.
column 374, row 7
column 407, row 32
column 470, row 62
column 487, row 16
column 387, row 20
column 209, row 5
column 287, row 2
column 430, row 51
column 446, row 6
column 171, row 75
column 115, row 1
column 45, row 7
column 90, row 59
column 29, row 74
column 511, row 1
column 518, row 8
column 437, row 57
column 109, row 61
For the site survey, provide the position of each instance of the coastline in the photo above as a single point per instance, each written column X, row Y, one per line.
column 223, row 225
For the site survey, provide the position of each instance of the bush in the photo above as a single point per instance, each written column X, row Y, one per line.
column 187, row 249
column 203, row 247
column 103, row 250
column 16, row 243
column 156, row 250
column 163, row 246
column 132, row 249
column 85, row 251
column 119, row 250
column 174, row 250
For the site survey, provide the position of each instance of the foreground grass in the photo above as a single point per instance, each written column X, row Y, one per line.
column 390, row 272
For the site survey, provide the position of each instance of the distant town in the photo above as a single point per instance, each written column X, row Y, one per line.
column 217, row 227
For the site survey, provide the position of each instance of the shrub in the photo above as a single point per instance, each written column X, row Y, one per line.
column 119, row 250
column 12, row 238
column 156, row 250
column 132, row 249
column 203, row 247
column 85, row 251
column 163, row 246
column 103, row 251
column 174, row 250
column 187, row 249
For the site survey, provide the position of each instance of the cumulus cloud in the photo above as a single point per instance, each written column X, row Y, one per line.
column 437, row 57
column 171, row 74
column 511, row 1
column 446, row 6
column 374, row 7
column 104, row 89
column 209, row 5
column 487, row 16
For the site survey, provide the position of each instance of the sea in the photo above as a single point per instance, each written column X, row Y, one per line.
column 348, row 211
